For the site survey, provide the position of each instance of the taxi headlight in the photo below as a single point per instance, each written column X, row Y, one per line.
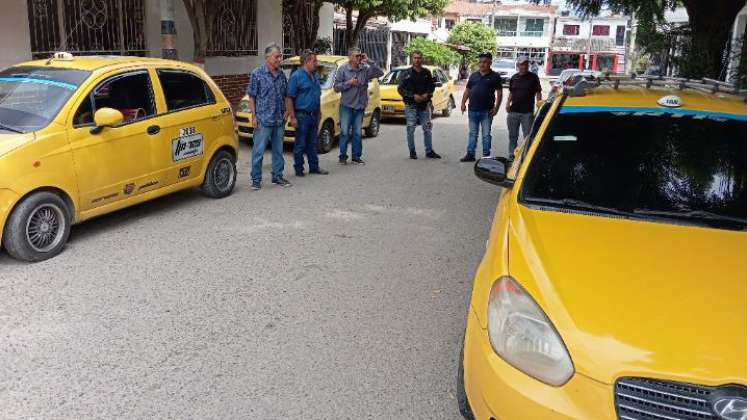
column 243, row 105
column 521, row 334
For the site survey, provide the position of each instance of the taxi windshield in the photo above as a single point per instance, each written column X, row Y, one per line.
column 325, row 71
column 392, row 78
column 677, row 166
column 30, row 97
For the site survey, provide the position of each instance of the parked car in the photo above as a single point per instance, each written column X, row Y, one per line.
column 392, row 105
column 329, row 123
column 505, row 67
column 569, row 77
column 85, row 136
column 612, row 285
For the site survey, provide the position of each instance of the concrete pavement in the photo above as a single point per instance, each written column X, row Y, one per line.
column 341, row 297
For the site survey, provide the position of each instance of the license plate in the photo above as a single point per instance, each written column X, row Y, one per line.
column 389, row 109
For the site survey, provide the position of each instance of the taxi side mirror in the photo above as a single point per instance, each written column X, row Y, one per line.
column 106, row 117
column 493, row 170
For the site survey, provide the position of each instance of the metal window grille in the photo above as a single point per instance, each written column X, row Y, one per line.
column 290, row 42
column 87, row 27
column 506, row 26
column 232, row 27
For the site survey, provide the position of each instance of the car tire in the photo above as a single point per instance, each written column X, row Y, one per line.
column 220, row 176
column 326, row 138
column 38, row 227
column 461, row 393
column 449, row 106
column 373, row 128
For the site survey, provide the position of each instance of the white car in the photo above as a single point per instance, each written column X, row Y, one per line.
column 571, row 74
column 505, row 67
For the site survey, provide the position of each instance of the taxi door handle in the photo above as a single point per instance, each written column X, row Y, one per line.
column 153, row 130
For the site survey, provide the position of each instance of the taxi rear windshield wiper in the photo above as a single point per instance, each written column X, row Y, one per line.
column 579, row 205
column 9, row 128
column 706, row 217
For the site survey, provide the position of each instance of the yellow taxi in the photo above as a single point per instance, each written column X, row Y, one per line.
column 85, row 136
column 329, row 123
column 392, row 105
column 613, row 283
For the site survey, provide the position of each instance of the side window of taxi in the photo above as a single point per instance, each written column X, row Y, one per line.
column 184, row 90
column 130, row 93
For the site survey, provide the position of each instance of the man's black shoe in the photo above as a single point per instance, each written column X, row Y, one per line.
column 281, row 182
column 358, row 161
column 432, row 155
column 319, row 171
column 300, row 174
column 343, row 162
column 467, row 158
column 413, row 155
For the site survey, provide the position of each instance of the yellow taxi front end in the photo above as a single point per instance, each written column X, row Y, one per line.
column 329, row 121
column 628, row 303
column 392, row 104
column 85, row 136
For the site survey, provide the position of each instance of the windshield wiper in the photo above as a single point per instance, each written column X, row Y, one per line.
column 695, row 215
column 571, row 204
column 9, row 128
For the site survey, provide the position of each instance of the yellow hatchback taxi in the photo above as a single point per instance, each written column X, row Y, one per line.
column 329, row 123
column 614, row 281
column 392, row 105
column 84, row 136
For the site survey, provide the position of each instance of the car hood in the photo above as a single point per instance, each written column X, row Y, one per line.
column 389, row 92
column 11, row 141
column 637, row 298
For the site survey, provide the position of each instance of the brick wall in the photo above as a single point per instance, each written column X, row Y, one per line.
column 233, row 86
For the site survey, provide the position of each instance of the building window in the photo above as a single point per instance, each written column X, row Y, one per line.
column 601, row 30
column 534, row 27
column 233, row 28
column 449, row 23
column 570, row 30
column 474, row 20
column 620, row 36
column 87, row 27
column 505, row 26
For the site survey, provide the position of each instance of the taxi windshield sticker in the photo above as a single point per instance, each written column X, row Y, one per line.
column 188, row 144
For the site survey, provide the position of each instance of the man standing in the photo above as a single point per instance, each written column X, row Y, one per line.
column 352, row 80
column 270, row 108
column 485, row 93
column 416, row 87
column 523, row 88
column 305, row 92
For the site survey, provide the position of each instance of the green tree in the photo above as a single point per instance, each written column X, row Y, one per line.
column 478, row 37
column 710, row 24
column 433, row 52
column 393, row 9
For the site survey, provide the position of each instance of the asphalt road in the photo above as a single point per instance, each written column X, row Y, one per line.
column 341, row 297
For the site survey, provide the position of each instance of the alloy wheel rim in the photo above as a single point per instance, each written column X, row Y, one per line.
column 223, row 174
column 45, row 227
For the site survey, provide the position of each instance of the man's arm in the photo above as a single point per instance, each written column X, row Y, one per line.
column 498, row 100
column 251, row 91
column 431, row 85
column 373, row 71
column 465, row 96
column 403, row 88
column 539, row 90
column 290, row 111
column 508, row 101
column 342, row 83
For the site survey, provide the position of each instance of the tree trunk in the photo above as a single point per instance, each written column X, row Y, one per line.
column 348, row 27
column 196, row 12
column 711, row 24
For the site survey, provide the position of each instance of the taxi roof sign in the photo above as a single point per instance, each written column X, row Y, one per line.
column 670, row 101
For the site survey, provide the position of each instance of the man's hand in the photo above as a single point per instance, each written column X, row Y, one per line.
column 508, row 107
column 255, row 121
column 464, row 107
column 364, row 58
column 493, row 112
column 354, row 82
column 293, row 122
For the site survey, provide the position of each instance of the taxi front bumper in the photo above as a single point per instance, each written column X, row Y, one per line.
column 497, row 390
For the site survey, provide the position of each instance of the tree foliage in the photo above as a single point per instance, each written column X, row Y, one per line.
column 393, row 9
column 433, row 52
column 477, row 36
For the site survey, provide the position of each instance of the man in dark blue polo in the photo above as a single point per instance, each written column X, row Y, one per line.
column 485, row 93
column 305, row 92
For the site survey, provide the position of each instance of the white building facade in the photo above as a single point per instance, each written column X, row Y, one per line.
column 598, row 43
column 524, row 30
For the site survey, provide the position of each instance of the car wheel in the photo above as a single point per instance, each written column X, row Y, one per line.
column 38, row 227
column 464, row 408
column 449, row 106
column 326, row 137
column 373, row 128
column 220, row 177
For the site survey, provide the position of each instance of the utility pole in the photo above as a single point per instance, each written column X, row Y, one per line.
column 588, row 43
column 168, row 30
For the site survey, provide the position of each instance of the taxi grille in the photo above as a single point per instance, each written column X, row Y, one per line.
column 649, row 399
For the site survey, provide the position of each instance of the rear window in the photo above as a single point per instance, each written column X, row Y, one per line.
column 184, row 90
column 675, row 166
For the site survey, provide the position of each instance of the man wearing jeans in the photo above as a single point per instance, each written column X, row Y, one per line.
column 305, row 92
column 268, row 91
column 416, row 86
column 352, row 80
column 485, row 93
column 523, row 88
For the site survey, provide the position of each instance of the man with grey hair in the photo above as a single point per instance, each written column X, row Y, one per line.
column 270, row 108
column 352, row 80
column 305, row 91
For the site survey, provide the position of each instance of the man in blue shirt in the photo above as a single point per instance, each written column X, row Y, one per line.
column 485, row 93
column 305, row 92
column 352, row 80
column 270, row 108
